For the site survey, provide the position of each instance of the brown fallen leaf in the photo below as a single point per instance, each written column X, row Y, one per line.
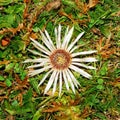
column 86, row 112
column 19, row 97
column 84, row 6
column 33, row 35
column 3, row 97
column 5, row 41
column 92, row 3
column 4, row 62
column 105, row 49
column 2, row 84
column 12, row 30
column 10, row 117
column 53, row 5
column 20, row 84
column 62, row 13
column 116, row 82
column 26, row 1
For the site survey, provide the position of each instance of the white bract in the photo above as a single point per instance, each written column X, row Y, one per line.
column 59, row 61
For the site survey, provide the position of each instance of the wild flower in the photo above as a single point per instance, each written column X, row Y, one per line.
column 60, row 60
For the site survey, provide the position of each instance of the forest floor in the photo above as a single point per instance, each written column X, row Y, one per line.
column 97, row 98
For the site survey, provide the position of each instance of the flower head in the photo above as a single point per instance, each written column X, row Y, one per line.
column 59, row 61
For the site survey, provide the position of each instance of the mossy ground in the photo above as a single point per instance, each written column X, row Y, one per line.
column 98, row 98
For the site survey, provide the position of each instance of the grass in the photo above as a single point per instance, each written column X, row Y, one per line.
column 98, row 98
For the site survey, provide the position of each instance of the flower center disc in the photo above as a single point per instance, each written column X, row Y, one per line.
column 60, row 59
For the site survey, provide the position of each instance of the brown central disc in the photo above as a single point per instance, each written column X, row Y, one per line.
column 60, row 59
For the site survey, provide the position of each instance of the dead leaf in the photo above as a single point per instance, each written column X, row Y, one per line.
column 2, row 84
column 33, row 35
column 116, row 82
column 4, row 62
column 86, row 112
column 25, row 13
column 96, row 31
column 53, row 5
column 12, row 30
column 3, row 97
column 105, row 49
column 82, row 6
column 19, row 97
column 26, row 1
column 10, row 117
column 51, row 110
column 5, row 42
column 92, row 3
column 20, row 84
column 66, row 15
